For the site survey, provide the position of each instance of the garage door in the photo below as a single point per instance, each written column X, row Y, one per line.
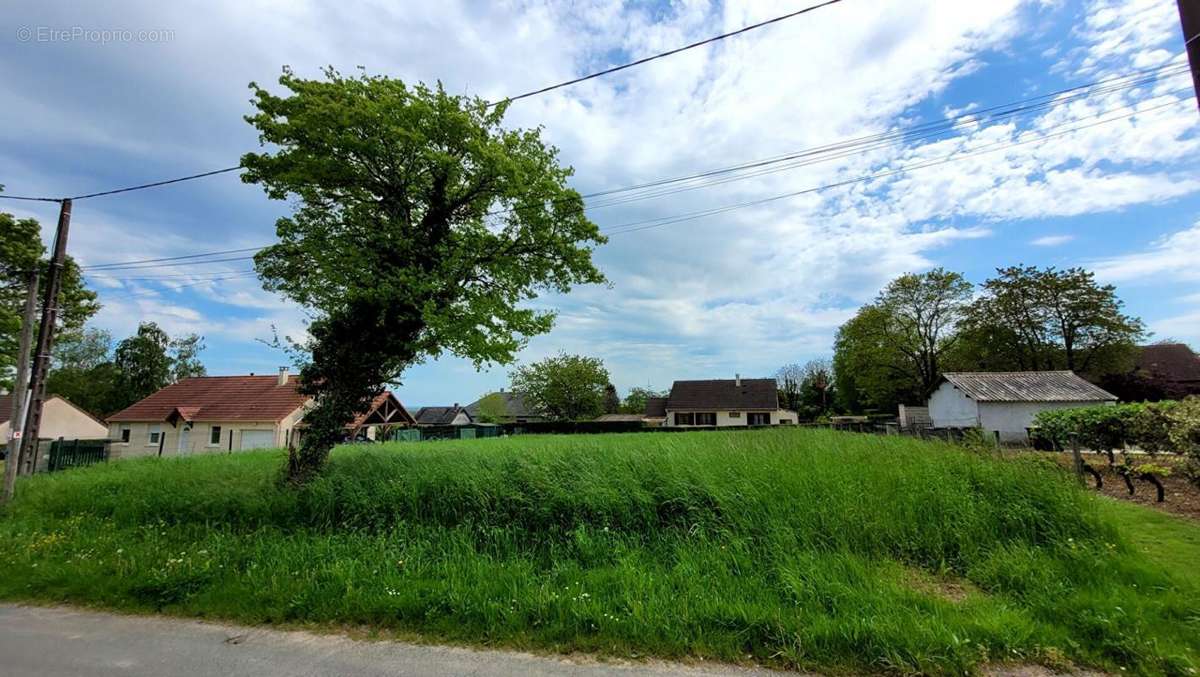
column 258, row 439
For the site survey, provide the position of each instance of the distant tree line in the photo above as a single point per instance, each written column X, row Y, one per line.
column 896, row 348
column 91, row 371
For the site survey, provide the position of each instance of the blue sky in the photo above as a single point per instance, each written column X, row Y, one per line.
column 743, row 291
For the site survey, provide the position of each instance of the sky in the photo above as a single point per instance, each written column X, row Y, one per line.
column 1108, row 181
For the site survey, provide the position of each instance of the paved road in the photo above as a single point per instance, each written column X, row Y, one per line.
column 61, row 642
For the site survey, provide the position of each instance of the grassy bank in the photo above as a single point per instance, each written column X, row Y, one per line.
column 792, row 548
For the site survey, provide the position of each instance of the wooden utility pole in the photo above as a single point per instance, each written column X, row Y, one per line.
column 20, row 387
column 45, row 341
column 1189, row 20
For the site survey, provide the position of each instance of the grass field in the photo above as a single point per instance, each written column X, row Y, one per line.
column 790, row 548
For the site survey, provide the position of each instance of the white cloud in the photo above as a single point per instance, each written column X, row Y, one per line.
column 1051, row 240
column 1171, row 259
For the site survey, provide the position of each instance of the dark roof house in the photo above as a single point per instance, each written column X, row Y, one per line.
column 733, row 394
column 722, row 403
column 656, row 407
column 514, row 406
column 1171, row 362
column 442, row 415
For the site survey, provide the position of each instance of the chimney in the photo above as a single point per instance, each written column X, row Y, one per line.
column 737, row 380
column 283, row 375
column 456, row 405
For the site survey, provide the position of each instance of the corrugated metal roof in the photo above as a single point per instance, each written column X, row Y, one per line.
column 1026, row 386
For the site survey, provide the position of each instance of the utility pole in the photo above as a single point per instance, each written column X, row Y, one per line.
column 20, row 388
column 1189, row 20
column 45, row 341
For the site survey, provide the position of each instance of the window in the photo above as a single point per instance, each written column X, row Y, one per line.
column 214, row 436
column 155, row 434
column 124, row 433
column 758, row 418
column 706, row 418
column 684, row 419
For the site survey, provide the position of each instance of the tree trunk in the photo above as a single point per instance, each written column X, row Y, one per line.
column 349, row 367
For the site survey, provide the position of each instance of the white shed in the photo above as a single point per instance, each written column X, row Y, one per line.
column 1008, row 401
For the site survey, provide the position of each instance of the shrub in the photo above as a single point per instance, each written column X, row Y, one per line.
column 1184, row 433
column 1150, row 427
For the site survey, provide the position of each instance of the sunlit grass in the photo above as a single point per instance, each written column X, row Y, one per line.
column 794, row 548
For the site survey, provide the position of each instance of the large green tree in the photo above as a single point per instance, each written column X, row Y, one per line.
column 893, row 349
column 83, row 372
column 150, row 360
column 1031, row 318
column 21, row 250
column 563, row 387
column 421, row 225
column 635, row 400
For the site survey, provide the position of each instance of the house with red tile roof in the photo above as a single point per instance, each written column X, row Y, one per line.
column 230, row 413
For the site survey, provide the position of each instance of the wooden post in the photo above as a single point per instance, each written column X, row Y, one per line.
column 1189, row 21
column 20, row 388
column 1077, row 458
column 45, row 341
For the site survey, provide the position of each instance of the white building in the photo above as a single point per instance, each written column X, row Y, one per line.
column 1008, row 401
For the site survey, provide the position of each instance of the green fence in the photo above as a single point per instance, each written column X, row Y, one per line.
column 74, row 453
column 447, row 432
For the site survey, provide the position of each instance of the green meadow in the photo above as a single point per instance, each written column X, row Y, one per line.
column 790, row 548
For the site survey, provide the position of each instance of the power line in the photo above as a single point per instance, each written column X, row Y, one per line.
column 631, row 64
column 170, row 264
column 835, row 151
column 190, row 276
column 648, row 224
column 490, row 104
column 823, row 153
column 30, row 199
column 158, row 183
column 123, row 264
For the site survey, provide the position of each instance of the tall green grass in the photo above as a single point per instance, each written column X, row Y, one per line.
column 793, row 548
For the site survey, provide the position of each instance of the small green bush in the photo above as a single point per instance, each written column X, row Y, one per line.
column 1184, row 434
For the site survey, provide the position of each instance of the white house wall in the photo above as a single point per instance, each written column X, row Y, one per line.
column 728, row 419
column 950, row 408
column 197, row 441
column 61, row 419
column 1013, row 418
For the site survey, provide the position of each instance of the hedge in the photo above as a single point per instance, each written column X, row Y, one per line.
column 1150, row 426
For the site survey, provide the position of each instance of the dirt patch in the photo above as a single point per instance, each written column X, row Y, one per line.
column 948, row 588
